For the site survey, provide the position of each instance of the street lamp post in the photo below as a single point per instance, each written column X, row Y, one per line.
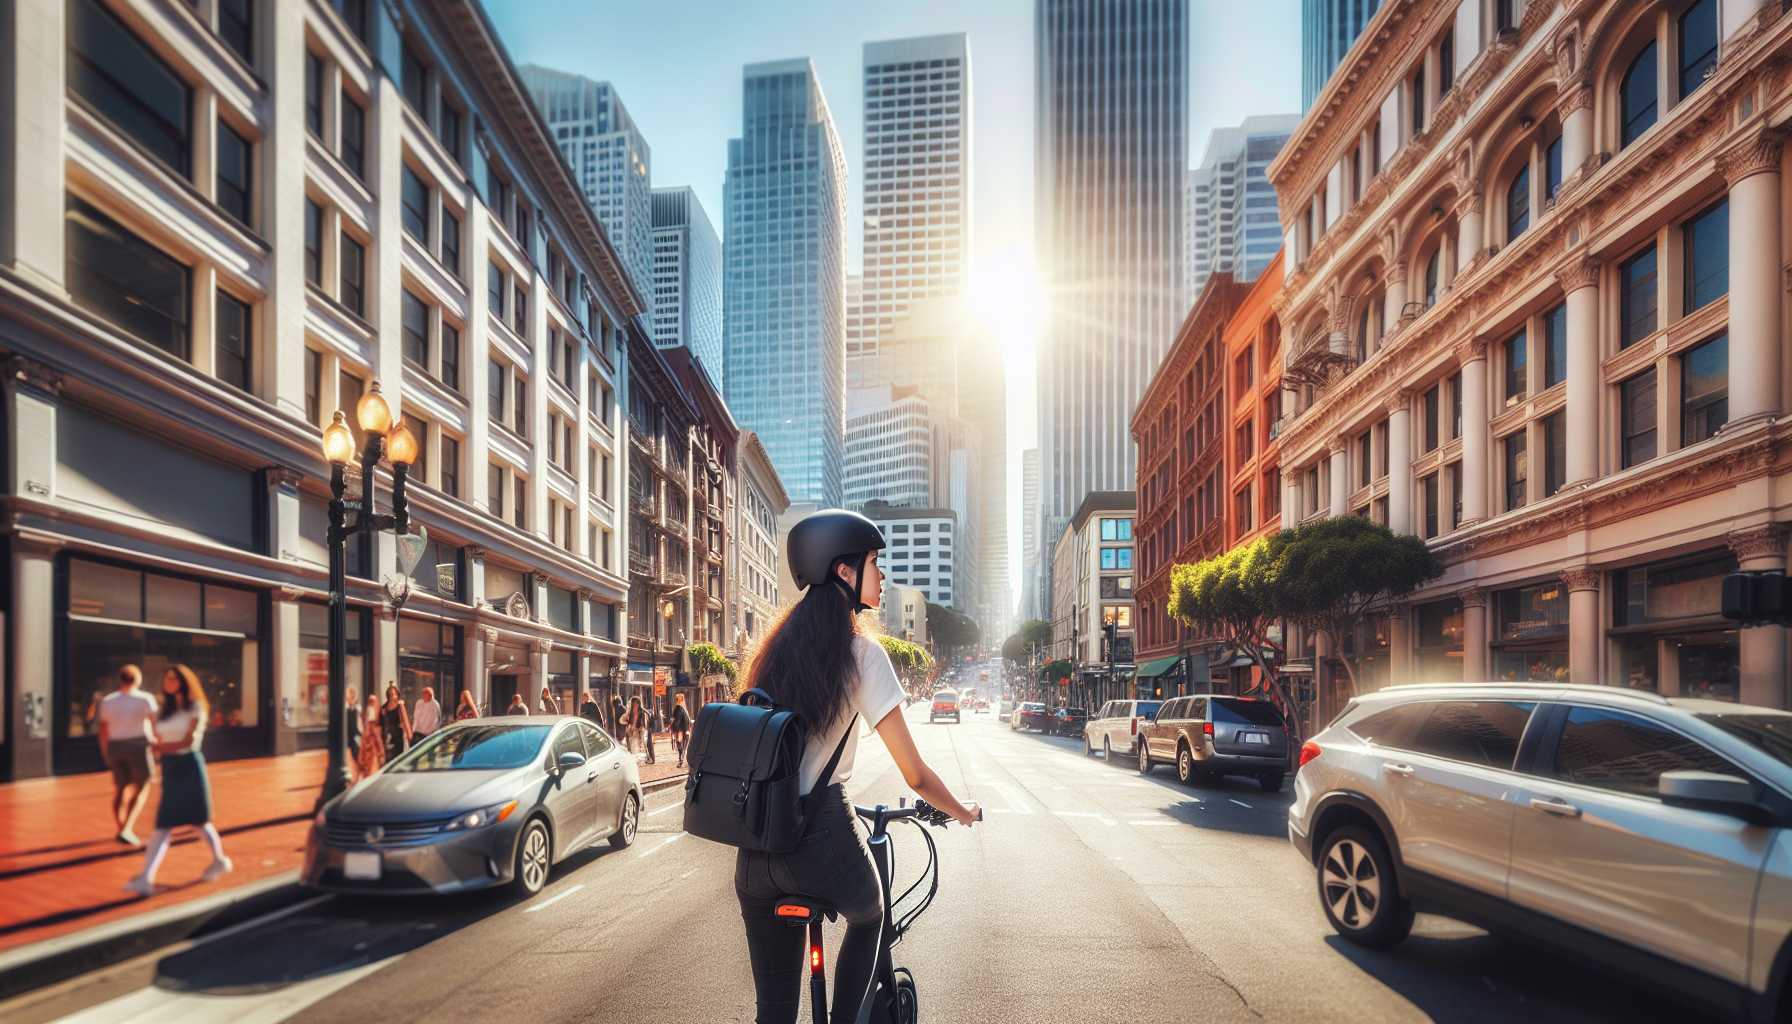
column 394, row 441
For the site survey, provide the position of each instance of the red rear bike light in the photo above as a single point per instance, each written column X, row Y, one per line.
column 814, row 957
column 1308, row 751
column 792, row 910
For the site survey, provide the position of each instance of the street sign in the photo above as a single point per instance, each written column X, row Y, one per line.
column 661, row 677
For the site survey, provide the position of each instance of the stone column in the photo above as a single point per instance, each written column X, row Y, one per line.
column 1400, row 510
column 1473, row 356
column 479, row 655
column 1396, row 297
column 1583, row 624
column 1576, row 111
column 1474, row 635
column 1291, row 505
column 1752, row 169
column 1399, row 646
column 287, row 680
column 33, row 89
column 538, row 671
column 1580, row 282
column 33, row 628
column 1341, row 477
column 1763, row 648
column 1470, row 241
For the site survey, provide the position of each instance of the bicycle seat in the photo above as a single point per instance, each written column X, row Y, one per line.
column 802, row 910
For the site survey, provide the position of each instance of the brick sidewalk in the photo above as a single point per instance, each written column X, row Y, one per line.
column 61, row 871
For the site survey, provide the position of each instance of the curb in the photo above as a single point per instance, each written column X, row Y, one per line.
column 45, row 963
column 659, row 784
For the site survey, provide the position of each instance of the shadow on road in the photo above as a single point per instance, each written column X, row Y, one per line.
column 340, row 935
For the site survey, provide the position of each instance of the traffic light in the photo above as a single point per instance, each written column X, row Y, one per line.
column 1757, row 599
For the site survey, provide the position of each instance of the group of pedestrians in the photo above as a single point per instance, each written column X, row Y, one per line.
column 380, row 731
column 142, row 736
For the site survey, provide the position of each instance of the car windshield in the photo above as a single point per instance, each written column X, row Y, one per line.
column 1148, row 708
column 1032, row 707
column 1246, row 712
column 1770, row 734
column 474, row 748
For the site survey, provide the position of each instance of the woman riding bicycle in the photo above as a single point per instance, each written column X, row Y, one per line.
column 816, row 661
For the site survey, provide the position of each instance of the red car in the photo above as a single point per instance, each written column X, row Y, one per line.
column 945, row 703
column 1032, row 716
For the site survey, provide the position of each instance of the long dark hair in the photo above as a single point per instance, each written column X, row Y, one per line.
column 190, row 694
column 806, row 660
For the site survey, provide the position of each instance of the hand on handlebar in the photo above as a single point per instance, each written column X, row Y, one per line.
column 973, row 814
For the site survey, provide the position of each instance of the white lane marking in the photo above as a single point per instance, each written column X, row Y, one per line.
column 1240, row 803
column 545, row 904
column 662, row 810
column 1097, row 815
column 1015, row 803
column 669, row 840
column 1153, row 824
column 158, row 1004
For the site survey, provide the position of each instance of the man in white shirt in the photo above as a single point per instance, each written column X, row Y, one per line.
column 426, row 714
column 125, row 717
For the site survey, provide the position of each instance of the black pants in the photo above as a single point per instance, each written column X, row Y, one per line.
column 831, row 864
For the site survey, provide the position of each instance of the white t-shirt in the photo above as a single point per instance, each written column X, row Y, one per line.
column 127, row 714
column 877, row 694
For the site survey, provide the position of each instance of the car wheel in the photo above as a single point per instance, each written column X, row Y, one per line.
column 534, row 854
column 1185, row 766
column 624, row 836
column 1271, row 783
column 1358, row 889
column 1107, row 750
column 1144, row 759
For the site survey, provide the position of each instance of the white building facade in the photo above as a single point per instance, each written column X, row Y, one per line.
column 758, row 545
column 687, row 279
column 921, row 550
column 1233, row 225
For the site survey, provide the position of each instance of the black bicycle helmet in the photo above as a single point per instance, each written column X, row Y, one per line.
column 823, row 539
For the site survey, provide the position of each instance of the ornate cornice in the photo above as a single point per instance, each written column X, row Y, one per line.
column 1580, row 577
column 1473, row 597
column 1579, row 271
column 1470, row 349
column 1765, row 541
column 1757, row 152
column 33, row 374
column 283, row 477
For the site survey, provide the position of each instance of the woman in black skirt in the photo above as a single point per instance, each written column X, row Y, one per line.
column 395, row 722
column 186, row 793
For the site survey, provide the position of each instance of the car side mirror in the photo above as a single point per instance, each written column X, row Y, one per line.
column 1712, row 791
column 571, row 761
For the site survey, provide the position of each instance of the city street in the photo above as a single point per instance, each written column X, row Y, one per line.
column 1089, row 892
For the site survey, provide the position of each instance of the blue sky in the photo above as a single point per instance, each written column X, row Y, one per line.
column 677, row 66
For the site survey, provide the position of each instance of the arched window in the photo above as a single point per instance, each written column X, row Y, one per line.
column 1698, row 45
column 1637, row 96
column 1518, row 204
column 1362, row 331
column 1433, row 275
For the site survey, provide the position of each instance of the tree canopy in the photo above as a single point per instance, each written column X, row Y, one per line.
column 707, row 659
column 910, row 660
column 1019, row 645
column 951, row 631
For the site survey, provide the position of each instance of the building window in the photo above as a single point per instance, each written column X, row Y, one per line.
column 235, row 164
column 1555, row 452
column 352, row 258
column 236, row 26
column 1431, row 411
column 1503, row 20
column 117, row 75
column 1518, row 204
column 415, row 199
column 1514, row 351
column 1704, row 390
column 519, row 310
column 1433, row 274
column 1555, row 346
column 1446, row 61
column 1455, row 405
column 494, row 393
column 314, row 243
column 1637, row 97
column 1453, row 473
column 1517, row 469
column 1415, row 89
column 415, row 75
column 450, row 355
column 234, row 329
column 314, row 373
column 314, row 93
column 1429, row 487
column 494, row 288
column 1707, row 256
column 450, row 466
column 1636, row 278
column 494, row 490
column 415, row 316
column 1242, row 440
column 354, row 136
column 1698, row 46
column 1637, row 418
column 1241, row 510
column 520, row 409
column 1552, row 167
column 520, row 513
column 449, row 131
column 451, row 241
column 1365, row 448
column 419, row 430
column 131, row 284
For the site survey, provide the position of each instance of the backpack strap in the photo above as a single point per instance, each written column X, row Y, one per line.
column 827, row 770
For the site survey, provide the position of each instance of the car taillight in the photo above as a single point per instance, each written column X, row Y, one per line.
column 1135, row 726
column 1207, row 727
column 1308, row 751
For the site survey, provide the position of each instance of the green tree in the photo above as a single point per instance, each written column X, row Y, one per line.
column 952, row 633
column 1232, row 597
column 708, row 660
column 911, row 661
column 1334, row 572
column 1020, row 646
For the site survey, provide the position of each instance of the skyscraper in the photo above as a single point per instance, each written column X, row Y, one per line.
column 784, row 278
column 889, row 447
column 1029, row 535
column 1232, row 221
column 1111, row 152
column 917, row 190
column 687, row 278
column 1327, row 30
column 609, row 157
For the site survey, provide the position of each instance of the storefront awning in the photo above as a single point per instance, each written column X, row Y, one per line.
column 1158, row 666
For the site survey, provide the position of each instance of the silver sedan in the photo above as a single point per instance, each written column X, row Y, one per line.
column 487, row 802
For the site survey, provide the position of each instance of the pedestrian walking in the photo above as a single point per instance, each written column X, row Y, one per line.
column 547, row 705
column 186, row 794
column 637, row 723
column 619, row 723
column 466, row 708
column 517, row 707
column 395, row 723
column 125, row 721
column 681, row 727
column 426, row 715
column 656, row 724
column 590, row 711
column 373, row 738
column 355, row 721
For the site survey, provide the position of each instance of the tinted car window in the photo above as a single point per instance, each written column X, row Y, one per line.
column 1626, row 754
column 595, row 740
column 1147, row 708
column 474, row 747
column 1770, row 734
column 567, row 741
column 1246, row 712
column 1475, row 732
column 1107, row 710
column 1394, row 727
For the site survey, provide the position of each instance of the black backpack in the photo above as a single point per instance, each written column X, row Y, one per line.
column 745, row 772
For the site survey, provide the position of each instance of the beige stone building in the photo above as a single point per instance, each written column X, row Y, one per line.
column 1536, row 257
column 758, row 545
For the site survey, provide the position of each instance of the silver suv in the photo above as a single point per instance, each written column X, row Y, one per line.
column 1652, row 834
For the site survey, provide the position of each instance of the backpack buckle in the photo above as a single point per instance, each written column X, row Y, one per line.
column 740, row 801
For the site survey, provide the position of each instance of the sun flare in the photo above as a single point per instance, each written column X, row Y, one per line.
column 1008, row 299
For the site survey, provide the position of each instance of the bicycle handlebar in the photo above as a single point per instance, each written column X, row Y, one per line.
column 921, row 810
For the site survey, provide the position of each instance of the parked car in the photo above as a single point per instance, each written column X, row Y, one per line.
column 1653, row 834
column 1004, row 709
column 1032, row 716
column 1069, row 721
column 480, row 803
column 981, row 706
column 1116, row 727
column 1208, row 736
column 945, row 704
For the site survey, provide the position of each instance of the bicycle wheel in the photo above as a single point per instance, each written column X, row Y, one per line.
column 905, row 1003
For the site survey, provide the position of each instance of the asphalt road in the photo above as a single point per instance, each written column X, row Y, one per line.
column 1089, row 893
